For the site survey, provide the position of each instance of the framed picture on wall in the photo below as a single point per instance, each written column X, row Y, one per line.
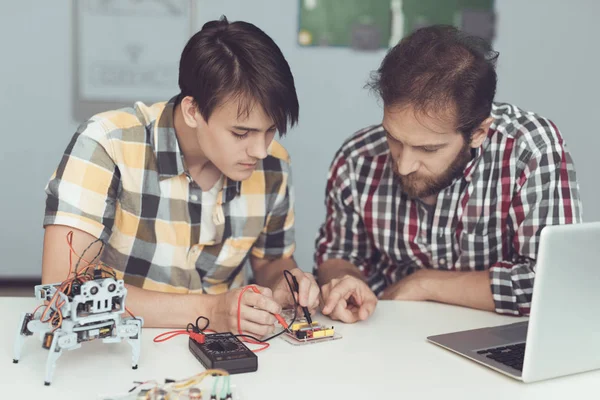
column 359, row 24
column 380, row 24
column 126, row 51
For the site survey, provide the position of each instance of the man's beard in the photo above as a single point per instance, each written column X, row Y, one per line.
column 416, row 186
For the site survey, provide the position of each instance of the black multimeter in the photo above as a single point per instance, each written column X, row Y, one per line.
column 224, row 351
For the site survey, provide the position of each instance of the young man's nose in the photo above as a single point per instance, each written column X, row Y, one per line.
column 258, row 147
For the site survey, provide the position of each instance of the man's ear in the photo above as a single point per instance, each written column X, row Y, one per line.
column 191, row 114
column 480, row 133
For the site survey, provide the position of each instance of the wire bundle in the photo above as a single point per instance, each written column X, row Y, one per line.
column 225, row 389
column 180, row 389
column 94, row 269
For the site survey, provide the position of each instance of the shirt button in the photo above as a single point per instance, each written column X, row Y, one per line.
column 442, row 261
column 194, row 197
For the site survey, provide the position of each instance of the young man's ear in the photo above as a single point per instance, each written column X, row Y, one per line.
column 190, row 112
column 480, row 133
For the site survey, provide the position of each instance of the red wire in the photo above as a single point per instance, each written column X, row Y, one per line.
column 57, row 318
column 70, row 241
column 239, row 319
column 196, row 336
column 72, row 250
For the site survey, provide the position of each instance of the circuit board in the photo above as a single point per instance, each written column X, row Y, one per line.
column 305, row 331
column 301, row 332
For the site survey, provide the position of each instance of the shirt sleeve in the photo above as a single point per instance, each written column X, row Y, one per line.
column 82, row 191
column 547, row 193
column 342, row 235
column 277, row 239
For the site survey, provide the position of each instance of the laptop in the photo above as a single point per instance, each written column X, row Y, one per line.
column 562, row 334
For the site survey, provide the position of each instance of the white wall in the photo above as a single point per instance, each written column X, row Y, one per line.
column 547, row 58
column 549, row 63
column 35, row 95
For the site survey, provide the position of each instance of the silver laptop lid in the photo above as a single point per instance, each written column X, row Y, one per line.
column 564, row 326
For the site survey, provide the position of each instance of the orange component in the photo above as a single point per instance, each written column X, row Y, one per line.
column 48, row 340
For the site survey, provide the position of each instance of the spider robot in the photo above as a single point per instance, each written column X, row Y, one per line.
column 81, row 309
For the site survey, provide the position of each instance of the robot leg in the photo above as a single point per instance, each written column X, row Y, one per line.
column 22, row 333
column 133, row 332
column 60, row 341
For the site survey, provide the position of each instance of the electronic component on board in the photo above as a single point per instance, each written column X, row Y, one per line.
column 194, row 394
column 306, row 331
column 302, row 332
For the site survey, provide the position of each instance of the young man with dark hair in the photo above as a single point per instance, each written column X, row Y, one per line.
column 184, row 192
column 444, row 200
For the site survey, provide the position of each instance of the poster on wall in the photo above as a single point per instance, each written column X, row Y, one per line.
column 362, row 25
column 473, row 16
column 380, row 24
column 127, row 51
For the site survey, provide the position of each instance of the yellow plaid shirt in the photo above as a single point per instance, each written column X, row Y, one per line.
column 122, row 179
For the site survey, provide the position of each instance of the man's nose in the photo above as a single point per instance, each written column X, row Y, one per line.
column 407, row 163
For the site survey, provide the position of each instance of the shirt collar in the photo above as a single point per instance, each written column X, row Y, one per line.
column 231, row 189
column 166, row 146
column 470, row 167
column 169, row 155
column 477, row 153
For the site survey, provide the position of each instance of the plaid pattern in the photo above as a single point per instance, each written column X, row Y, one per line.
column 521, row 179
column 122, row 179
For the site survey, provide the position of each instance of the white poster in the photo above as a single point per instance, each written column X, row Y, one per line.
column 129, row 50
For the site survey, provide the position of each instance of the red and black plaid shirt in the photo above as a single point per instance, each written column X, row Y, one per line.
column 521, row 179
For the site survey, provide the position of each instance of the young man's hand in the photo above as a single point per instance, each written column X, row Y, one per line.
column 348, row 299
column 256, row 311
column 308, row 295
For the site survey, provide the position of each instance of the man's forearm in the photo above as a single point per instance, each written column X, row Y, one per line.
column 335, row 269
column 268, row 273
column 167, row 310
column 468, row 289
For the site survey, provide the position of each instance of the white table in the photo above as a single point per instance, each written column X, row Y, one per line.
column 382, row 358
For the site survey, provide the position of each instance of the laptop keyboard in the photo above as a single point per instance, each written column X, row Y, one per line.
column 511, row 355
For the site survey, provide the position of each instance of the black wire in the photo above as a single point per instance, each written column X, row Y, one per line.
column 195, row 328
column 99, row 250
column 86, row 249
column 296, row 305
column 79, row 280
column 111, row 272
